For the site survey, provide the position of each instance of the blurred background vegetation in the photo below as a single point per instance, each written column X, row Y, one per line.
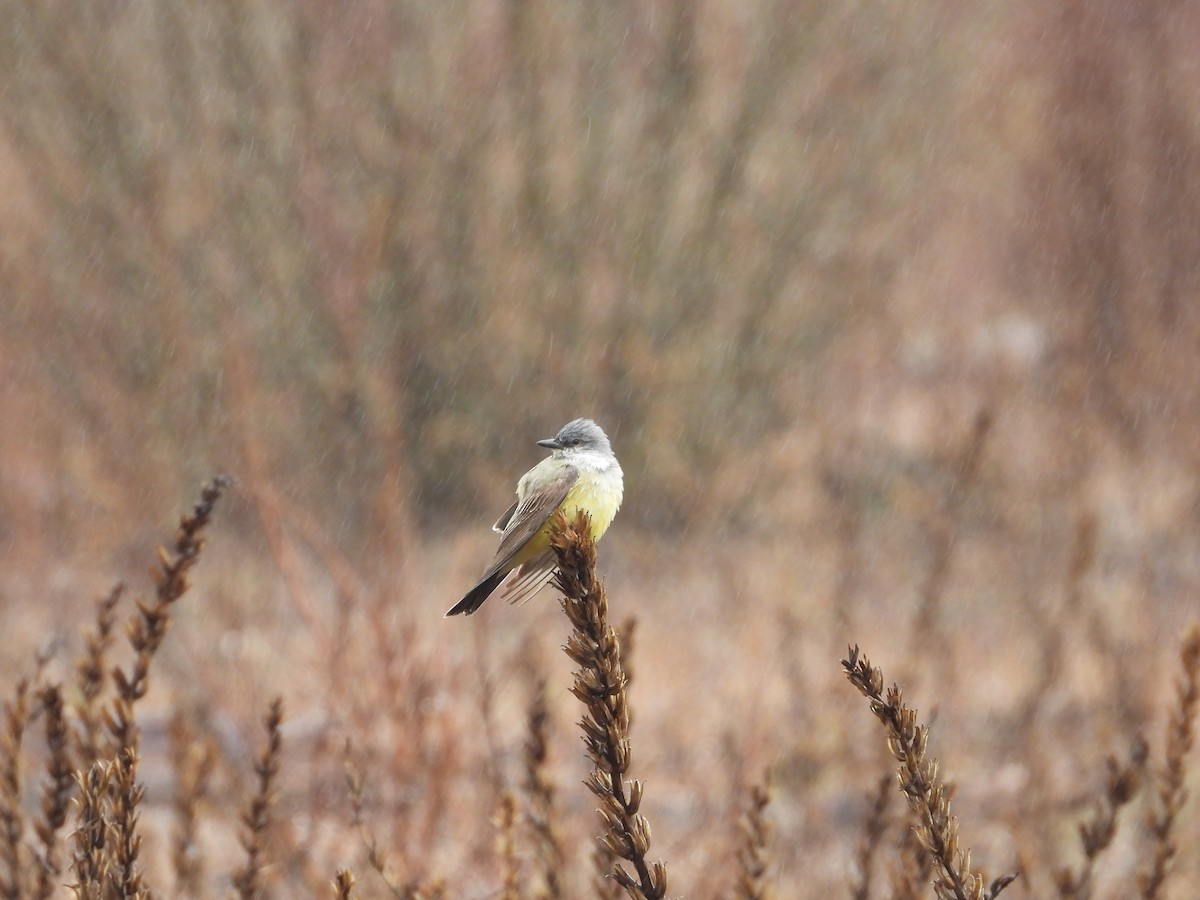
column 899, row 298
column 367, row 253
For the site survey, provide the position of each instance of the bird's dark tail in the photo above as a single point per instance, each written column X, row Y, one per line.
column 476, row 596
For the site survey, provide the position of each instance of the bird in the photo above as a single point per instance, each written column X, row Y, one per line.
column 581, row 473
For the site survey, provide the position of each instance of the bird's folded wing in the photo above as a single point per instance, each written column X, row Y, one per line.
column 530, row 515
column 502, row 522
column 528, row 578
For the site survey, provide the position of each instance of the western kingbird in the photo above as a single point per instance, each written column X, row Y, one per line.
column 581, row 473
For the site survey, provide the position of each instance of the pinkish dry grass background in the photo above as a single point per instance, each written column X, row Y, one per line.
column 890, row 310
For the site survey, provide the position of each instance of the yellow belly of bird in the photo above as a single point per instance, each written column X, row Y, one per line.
column 596, row 496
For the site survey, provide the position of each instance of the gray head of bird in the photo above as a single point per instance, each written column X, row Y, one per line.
column 578, row 436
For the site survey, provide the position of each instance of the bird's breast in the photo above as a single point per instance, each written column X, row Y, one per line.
column 597, row 493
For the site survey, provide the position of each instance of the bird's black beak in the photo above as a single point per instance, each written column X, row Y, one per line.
column 550, row 444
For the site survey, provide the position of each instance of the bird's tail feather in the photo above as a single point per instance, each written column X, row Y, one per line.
column 530, row 578
column 476, row 595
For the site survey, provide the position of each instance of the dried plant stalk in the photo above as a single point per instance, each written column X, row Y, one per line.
column 343, row 885
column 913, row 869
column 919, row 780
column 873, row 830
column 752, row 881
column 56, row 794
column 257, row 817
column 376, row 857
column 124, row 877
column 193, row 762
column 600, row 684
column 604, row 886
column 540, row 789
column 12, row 816
column 109, row 853
column 93, row 851
column 91, row 677
column 1181, row 735
column 506, row 823
column 1097, row 833
column 148, row 628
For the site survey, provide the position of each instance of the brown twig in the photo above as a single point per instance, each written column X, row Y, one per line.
column 124, row 877
column 540, row 789
column 510, row 871
column 604, row 886
column 1097, row 833
column 92, row 676
column 600, row 685
column 343, row 885
column 12, row 816
column 914, row 868
column 376, row 857
column 873, row 829
column 193, row 762
column 922, row 786
column 56, row 794
column 257, row 817
column 146, row 632
column 148, row 628
column 1181, row 736
column 92, row 859
column 751, row 881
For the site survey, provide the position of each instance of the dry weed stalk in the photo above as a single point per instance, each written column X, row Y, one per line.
column 919, row 780
column 343, row 885
column 92, row 859
column 148, row 628
column 510, row 871
column 540, row 789
column 487, row 716
column 914, row 869
column 124, row 877
column 873, row 830
column 1181, row 736
column 376, row 857
column 91, row 677
column 751, row 881
column 56, row 794
column 193, row 762
column 604, row 887
column 600, row 684
column 257, row 817
column 1097, row 833
column 107, row 841
column 12, row 816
